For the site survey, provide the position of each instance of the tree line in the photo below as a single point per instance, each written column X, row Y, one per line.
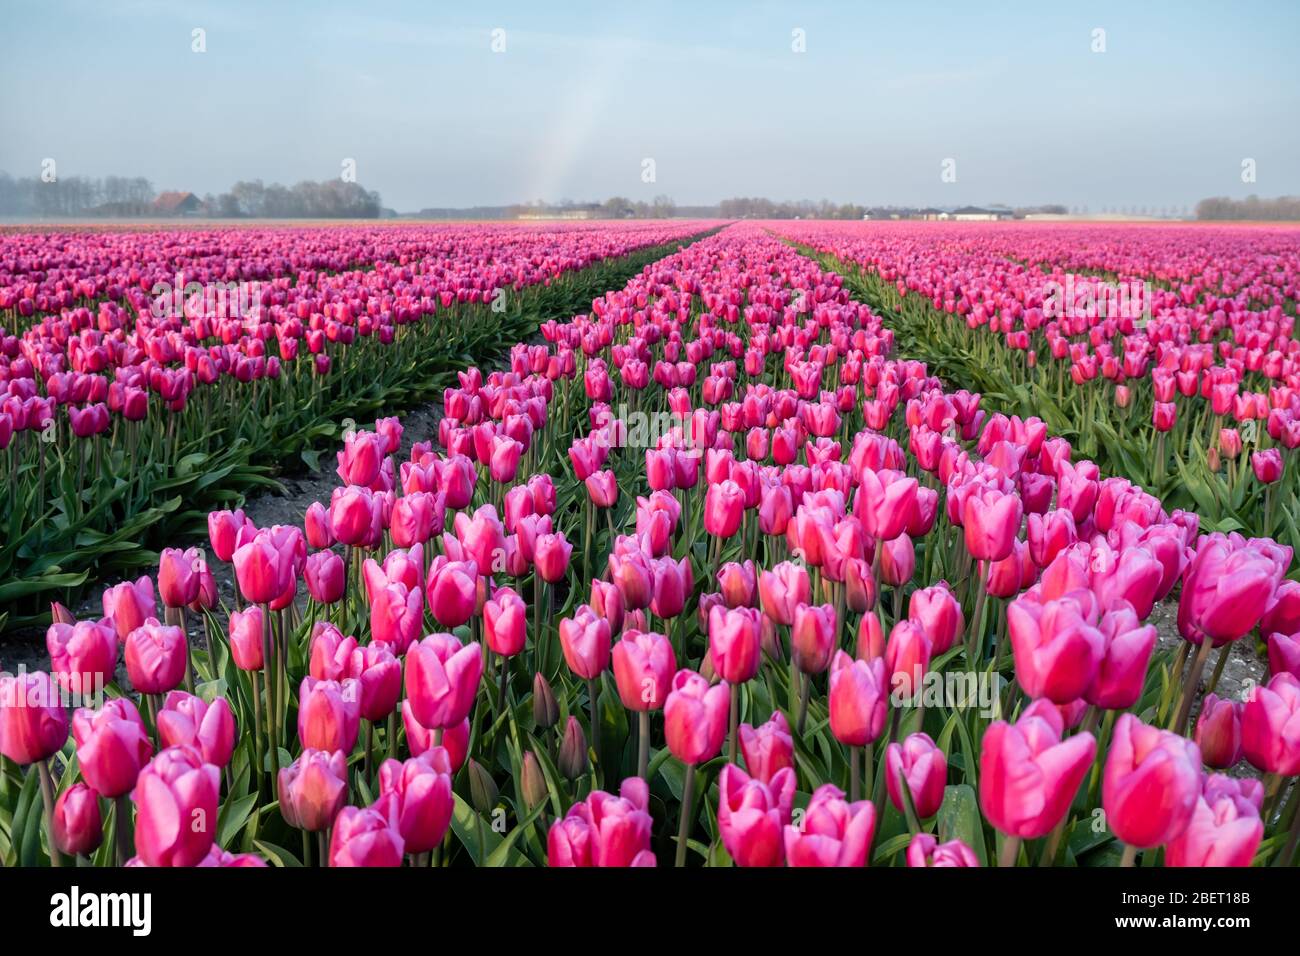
column 1285, row 208
column 75, row 196
column 133, row 196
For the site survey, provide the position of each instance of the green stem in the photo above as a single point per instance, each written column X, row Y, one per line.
column 122, row 828
column 1179, row 726
column 1010, row 852
column 643, row 746
column 735, row 720
column 47, row 799
column 684, row 827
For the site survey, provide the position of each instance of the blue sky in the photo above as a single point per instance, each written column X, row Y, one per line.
column 712, row 91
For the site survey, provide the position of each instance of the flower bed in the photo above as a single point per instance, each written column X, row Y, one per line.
column 1165, row 353
column 709, row 577
column 149, row 397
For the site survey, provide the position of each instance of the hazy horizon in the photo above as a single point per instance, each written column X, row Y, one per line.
column 716, row 95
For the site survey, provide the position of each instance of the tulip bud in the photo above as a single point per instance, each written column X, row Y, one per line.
column 313, row 789
column 1218, row 731
column 545, row 710
column 78, row 828
column 573, row 751
column 482, row 789
column 533, row 782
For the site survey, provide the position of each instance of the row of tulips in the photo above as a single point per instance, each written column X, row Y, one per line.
column 1189, row 388
column 48, row 272
column 121, row 424
column 832, row 614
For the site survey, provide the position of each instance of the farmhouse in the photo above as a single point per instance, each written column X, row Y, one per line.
column 177, row 204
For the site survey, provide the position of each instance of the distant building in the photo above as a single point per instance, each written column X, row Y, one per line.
column 177, row 204
column 976, row 214
column 560, row 214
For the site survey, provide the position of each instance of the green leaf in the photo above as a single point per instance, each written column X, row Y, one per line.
column 234, row 815
column 959, row 819
column 502, row 855
column 277, row 855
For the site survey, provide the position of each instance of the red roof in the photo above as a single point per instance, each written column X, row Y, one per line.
column 174, row 200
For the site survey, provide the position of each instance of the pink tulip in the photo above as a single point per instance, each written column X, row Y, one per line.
column 695, row 717
column 991, row 521
column 176, row 800
column 644, row 665
column 1225, row 829
column 1218, row 732
column 263, row 570
column 442, row 678
column 505, row 622
column 631, row 572
column 421, row 790
column 858, row 700
column 224, row 528
column 752, row 815
column 1123, row 668
column 246, row 638
column 367, row 837
column 886, row 502
column 77, row 826
column 782, row 589
column 602, row 486
column 551, row 557
column 1225, row 592
column 453, row 591
column 1057, row 648
column 128, row 605
column 1029, row 775
column 605, row 830
column 939, row 615
column 768, row 748
column 734, row 645
column 178, row 579
column 186, row 720
column 1150, row 784
column 738, row 584
column 585, row 640
column 313, row 789
column 925, row 768
column 326, row 577
column 156, row 657
column 607, row 603
column 926, row 850
column 83, row 656
column 1284, row 654
column 351, row 515
column 112, row 746
column 1267, row 465
column 834, row 832
column 483, row 537
column 316, row 526
column 454, row 740
column 813, row 637
column 329, row 714
column 907, row 658
column 1270, row 726
column 724, row 506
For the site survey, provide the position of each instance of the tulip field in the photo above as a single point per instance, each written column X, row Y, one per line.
column 151, row 376
column 756, row 544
